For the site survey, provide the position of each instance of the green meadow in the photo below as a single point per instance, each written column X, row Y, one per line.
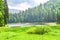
column 30, row 33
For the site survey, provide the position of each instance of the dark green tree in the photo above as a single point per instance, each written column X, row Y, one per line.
column 58, row 15
column 6, row 11
column 1, row 13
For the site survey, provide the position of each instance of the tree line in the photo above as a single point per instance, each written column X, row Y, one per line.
column 46, row 12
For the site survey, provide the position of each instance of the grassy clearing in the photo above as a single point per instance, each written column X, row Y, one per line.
column 19, row 33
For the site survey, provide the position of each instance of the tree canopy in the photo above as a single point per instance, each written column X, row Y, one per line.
column 43, row 13
column 3, row 12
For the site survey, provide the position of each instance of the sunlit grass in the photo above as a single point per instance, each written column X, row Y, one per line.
column 19, row 33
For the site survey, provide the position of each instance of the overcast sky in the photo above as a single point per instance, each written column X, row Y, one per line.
column 24, row 4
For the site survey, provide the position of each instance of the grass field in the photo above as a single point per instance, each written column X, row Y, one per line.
column 20, row 33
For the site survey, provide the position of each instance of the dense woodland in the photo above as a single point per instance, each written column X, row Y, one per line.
column 46, row 12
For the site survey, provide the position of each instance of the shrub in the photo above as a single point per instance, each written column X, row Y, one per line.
column 39, row 30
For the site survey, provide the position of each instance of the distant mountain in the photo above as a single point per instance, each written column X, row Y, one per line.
column 14, row 11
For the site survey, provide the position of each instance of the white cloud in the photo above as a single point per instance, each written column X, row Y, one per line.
column 26, row 5
column 21, row 6
column 37, row 2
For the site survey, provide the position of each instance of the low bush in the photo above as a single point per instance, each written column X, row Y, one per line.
column 39, row 30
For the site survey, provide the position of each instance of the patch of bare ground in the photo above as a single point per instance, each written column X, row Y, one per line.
column 51, row 24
